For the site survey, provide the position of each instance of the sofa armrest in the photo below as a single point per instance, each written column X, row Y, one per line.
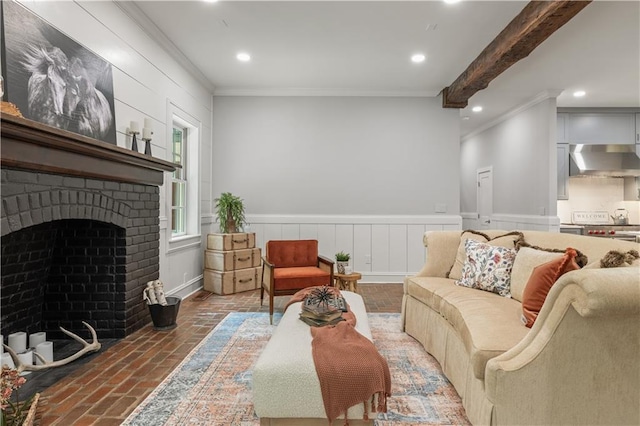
column 326, row 265
column 585, row 339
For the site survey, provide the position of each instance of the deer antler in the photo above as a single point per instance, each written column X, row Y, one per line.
column 94, row 346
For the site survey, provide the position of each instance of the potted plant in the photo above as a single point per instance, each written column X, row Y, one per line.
column 230, row 211
column 342, row 260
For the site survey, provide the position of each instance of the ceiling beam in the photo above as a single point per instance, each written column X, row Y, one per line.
column 533, row 25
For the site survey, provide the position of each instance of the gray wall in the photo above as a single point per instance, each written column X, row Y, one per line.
column 337, row 155
column 522, row 152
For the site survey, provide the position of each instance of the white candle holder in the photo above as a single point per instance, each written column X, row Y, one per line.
column 7, row 360
column 45, row 350
column 26, row 358
column 36, row 338
column 18, row 341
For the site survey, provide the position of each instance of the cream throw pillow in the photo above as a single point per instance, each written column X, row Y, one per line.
column 526, row 260
column 507, row 240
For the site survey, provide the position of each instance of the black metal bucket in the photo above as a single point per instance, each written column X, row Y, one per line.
column 164, row 317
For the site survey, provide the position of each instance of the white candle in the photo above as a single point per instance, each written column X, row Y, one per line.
column 146, row 133
column 148, row 123
column 134, row 126
column 45, row 349
column 7, row 360
column 36, row 338
column 18, row 341
column 26, row 358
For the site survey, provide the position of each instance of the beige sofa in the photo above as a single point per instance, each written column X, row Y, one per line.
column 579, row 363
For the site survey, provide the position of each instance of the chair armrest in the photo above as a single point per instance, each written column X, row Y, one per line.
column 267, row 271
column 326, row 265
column 326, row 261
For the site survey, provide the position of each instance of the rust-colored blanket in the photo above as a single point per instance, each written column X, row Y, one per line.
column 349, row 367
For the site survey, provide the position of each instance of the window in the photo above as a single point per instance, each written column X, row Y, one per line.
column 179, row 181
column 182, row 199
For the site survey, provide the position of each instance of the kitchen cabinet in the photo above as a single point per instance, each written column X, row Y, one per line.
column 561, row 133
column 632, row 188
column 601, row 128
column 637, row 130
column 563, row 171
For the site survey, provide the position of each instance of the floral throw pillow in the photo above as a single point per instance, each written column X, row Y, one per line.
column 487, row 267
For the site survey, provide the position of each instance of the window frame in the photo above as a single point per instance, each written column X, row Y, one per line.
column 182, row 180
column 192, row 235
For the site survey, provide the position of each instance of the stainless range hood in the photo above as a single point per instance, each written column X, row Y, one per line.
column 604, row 160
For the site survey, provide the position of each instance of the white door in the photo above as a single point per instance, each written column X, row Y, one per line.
column 485, row 197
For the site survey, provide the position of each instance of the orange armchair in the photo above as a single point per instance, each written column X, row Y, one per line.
column 291, row 265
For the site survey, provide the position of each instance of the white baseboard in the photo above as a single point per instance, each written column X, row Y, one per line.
column 187, row 289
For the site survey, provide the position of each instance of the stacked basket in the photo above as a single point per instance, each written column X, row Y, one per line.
column 232, row 263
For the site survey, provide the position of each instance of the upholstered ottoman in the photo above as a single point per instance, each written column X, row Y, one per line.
column 286, row 390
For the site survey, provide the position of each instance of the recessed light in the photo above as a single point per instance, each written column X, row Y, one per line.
column 579, row 93
column 451, row 1
column 476, row 108
column 418, row 57
column 243, row 57
column 465, row 117
column 210, row 1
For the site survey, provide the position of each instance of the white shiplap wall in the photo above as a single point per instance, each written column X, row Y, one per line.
column 382, row 248
column 145, row 79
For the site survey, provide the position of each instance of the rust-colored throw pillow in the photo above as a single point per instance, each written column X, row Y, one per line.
column 542, row 279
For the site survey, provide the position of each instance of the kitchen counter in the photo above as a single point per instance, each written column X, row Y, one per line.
column 567, row 228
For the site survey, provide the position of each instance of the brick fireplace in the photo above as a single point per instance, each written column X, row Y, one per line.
column 80, row 231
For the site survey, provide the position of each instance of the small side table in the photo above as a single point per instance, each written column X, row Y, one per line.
column 347, row 281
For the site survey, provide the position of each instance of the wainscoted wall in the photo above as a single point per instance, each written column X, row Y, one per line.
column 513, row 221
column 146, row 80
column 382, row 248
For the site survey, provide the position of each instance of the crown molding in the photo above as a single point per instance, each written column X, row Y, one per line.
column 151, row 29
column 542, row 96
column 295, row 91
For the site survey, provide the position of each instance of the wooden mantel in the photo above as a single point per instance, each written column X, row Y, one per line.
column 29, row 145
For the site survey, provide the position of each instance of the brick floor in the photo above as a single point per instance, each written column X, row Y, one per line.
column 106, row 390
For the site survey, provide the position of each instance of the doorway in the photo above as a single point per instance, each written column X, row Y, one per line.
column 485, row 196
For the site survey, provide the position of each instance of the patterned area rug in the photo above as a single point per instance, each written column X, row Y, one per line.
column 212, row 386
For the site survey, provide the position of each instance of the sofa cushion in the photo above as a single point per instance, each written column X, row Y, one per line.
column 487, row 267
column 424, row 289
column 507, row 240
column 541, row 281
column 289, row 278
column 487, row 323
column 527, row 259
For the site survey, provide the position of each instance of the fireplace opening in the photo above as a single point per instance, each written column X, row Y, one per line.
column 61, row 273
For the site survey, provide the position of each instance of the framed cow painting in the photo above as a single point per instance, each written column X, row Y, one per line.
column 53, row 79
